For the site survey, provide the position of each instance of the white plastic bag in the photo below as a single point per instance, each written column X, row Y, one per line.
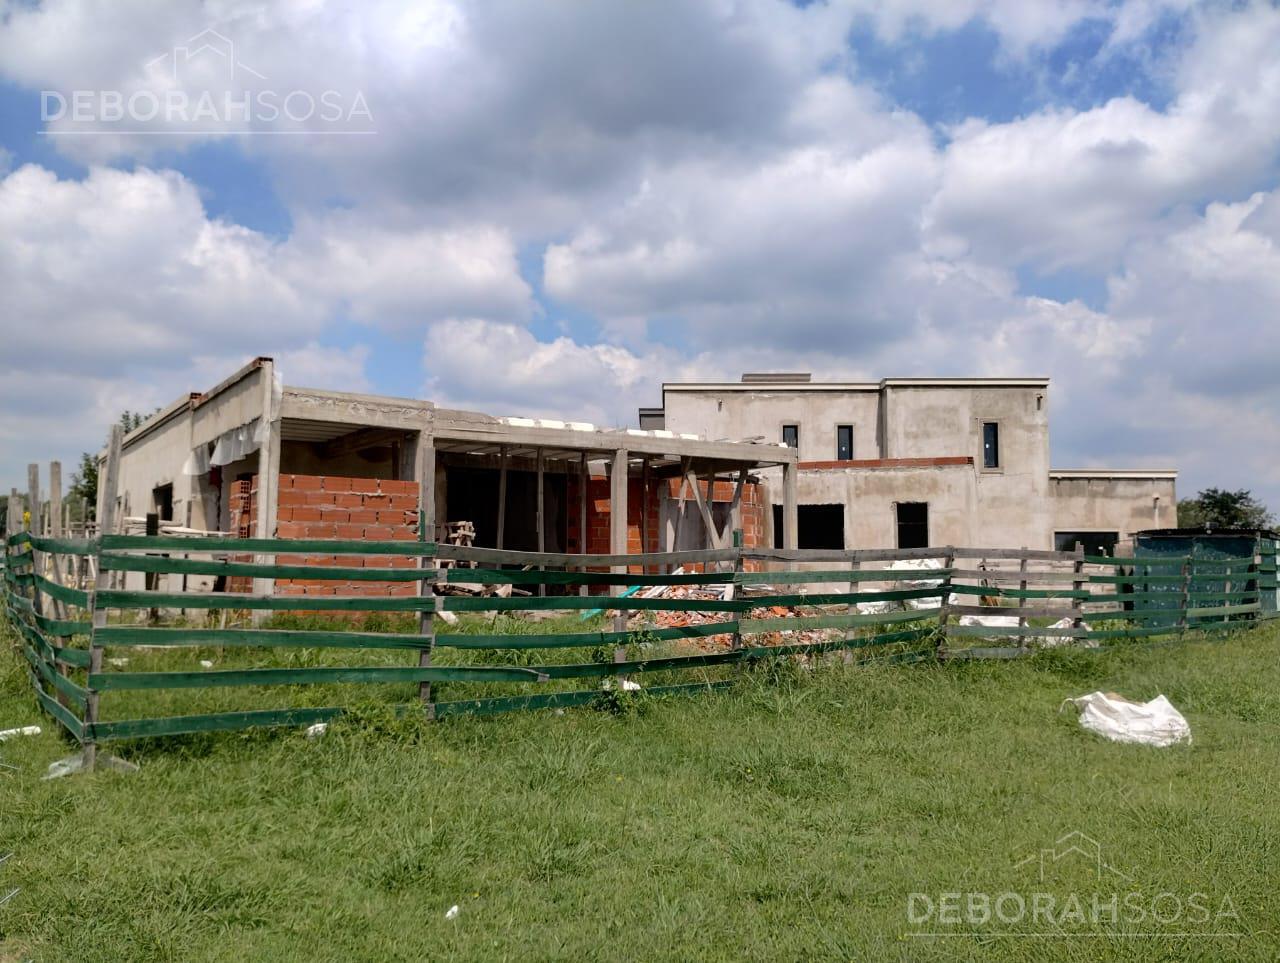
column 1154, row 723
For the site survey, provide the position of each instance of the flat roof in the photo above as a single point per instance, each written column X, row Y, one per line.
column 762, row 386
column 1113, row 473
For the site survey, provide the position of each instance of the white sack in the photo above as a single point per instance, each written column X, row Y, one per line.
column 1154, row 723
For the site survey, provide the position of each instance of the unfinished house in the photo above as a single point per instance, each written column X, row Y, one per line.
column 253, row 457
column 914, row 462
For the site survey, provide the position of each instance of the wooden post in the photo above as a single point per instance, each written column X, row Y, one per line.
column 1077, row 586
column 944, row 610
column 851, row 609
column 584, row 483
column 502, row 497
column 108, row 482
column 1022, row 602
column 540, row 516
column 618, row 533
column 55, row 499
column 33, row 506
column 736, row 642
column 425, row 468
column 1183, row 622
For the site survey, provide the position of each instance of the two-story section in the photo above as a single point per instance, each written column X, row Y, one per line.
column 912, row 462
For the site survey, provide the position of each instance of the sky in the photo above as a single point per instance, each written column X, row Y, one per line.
column 550, row 209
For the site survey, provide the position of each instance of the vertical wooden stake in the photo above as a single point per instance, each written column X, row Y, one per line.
column 944, row 611
column 584, row 483
column 1022, row 602
column 108, row 482
column 1077, row 586
column 851, row 609
column 540, row 515
column 426, row 470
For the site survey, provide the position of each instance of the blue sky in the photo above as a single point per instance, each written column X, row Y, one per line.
column 551, row 210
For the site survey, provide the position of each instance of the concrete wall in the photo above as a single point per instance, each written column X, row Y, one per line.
column 736, row 415
column 1007, row 506
column 1104, row 503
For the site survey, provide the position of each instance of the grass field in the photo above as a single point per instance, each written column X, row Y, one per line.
column 789, row 819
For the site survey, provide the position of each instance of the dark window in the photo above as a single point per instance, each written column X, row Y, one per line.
column 791, row 436
column 990, row 445
column 162, row 502
column 821, row 526
column 1095, row 543
column 844, row 442
column 913, row 524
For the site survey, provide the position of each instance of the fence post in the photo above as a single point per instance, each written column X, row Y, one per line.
column 1077, row 586
column 33, row 506
column 736, row 587
column 1022, row 602
column 851, row 609
column 944, row 610
column 426, row 467
column 1183, row 622
column 107, row 482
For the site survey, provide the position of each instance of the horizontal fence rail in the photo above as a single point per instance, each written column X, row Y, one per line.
column 704, row 612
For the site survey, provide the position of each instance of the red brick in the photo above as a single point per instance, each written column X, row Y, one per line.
column 288, row 497
column 364, row 485
column 332, row 483
column 307, row 483
column 349, row 530
column 377, row 501
column 291, row 530
column 348, row 500
column 306, row 513
column 377, row 532
column 365, row 515
column 405, row 502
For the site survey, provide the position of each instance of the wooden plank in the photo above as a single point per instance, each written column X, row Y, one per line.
column 211, row 722
column 453, row 603
column 841, row 555
column 491, row 556
column 72, row 596
column 708, row 523
column 116, row 599
column 749, row 626
column 268, row 546
column 841, row 598
column 506, row 576
column 840, row 575
column 64, row 546
column 1015, row 553
column 568, row 640
column 1012, row 575
column 60, row 712
column 1215, row 611
column 133, row 635
column 1021, row 612
column 1013, row 631
column 218, row 678
column 117, row 562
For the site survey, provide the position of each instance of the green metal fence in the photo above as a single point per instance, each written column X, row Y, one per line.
column 770, row 604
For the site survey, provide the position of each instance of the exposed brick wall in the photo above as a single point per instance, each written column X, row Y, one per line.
column 598, row 516
column 326, row 506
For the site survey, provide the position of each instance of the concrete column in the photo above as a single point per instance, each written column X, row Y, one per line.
column 55, row 499
column 268, row 477
column 33, row 498
column 618, row 509
column 790, row 512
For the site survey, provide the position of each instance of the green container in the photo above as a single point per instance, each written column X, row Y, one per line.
column 1235, row 545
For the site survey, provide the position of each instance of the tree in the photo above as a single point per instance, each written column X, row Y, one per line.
column 84, row 482
column 1218, row 508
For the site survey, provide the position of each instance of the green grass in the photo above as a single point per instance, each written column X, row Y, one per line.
column 789, row 819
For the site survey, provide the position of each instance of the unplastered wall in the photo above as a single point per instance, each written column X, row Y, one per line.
column 869, row 496
column 155, row 459
column 737, row 414
column 331, row 506
column 1102, row 504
